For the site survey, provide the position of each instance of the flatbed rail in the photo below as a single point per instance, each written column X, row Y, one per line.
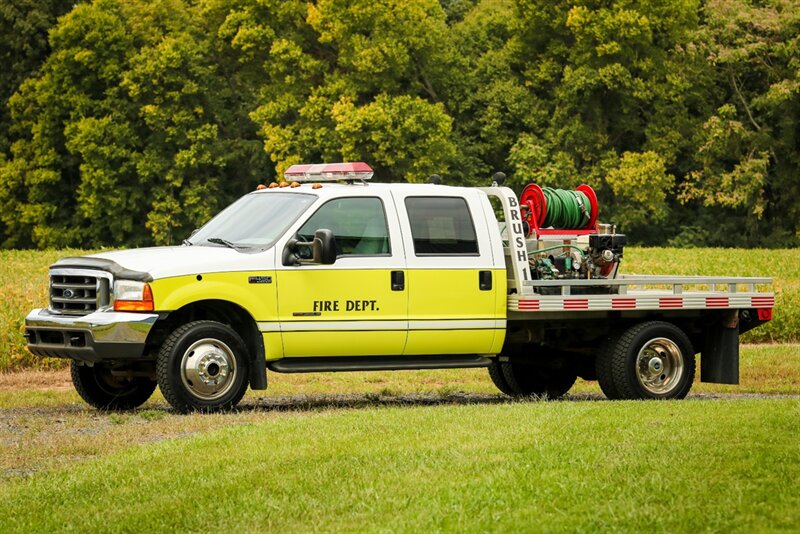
column 642, row 292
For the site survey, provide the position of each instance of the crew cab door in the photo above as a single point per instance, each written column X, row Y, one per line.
column 454, row 274
column 358, row 306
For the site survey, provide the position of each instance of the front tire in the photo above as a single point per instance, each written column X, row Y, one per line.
column 203, row 366
column 651, row 360
column 101, row 389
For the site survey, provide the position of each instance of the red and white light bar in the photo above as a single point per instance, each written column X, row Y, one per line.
column 328, row 172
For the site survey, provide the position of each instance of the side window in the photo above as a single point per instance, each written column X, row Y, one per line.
column 358, row 223
column 441, row 226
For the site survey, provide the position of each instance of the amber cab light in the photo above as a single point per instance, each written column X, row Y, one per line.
column 145, row 304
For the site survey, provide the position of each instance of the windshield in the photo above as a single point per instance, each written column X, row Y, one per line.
column 254, row 221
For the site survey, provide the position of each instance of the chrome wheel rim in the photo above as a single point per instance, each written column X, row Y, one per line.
column 659, row 366
column 208, row 369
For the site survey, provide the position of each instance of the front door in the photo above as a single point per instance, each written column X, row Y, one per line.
column 358, row 306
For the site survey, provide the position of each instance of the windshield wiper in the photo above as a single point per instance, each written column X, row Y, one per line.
column 220, row 241
column 187, row 243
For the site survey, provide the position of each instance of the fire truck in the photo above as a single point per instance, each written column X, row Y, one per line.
column 329, row 271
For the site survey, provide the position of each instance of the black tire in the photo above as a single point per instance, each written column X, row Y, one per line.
column 203, row 366
column 98, row 387
column 496, row 374
column 651, row 360
column 527, row 379
column 604, row 366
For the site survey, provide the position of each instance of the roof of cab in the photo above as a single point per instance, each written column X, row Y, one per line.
column 330, row 190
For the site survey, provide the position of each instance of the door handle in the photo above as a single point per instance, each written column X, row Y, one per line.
column 398, row 280
column 485, row 280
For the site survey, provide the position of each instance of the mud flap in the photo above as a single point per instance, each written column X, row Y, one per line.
column 719, row 360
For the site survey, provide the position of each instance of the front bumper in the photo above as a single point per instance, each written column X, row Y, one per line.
column 98, row 336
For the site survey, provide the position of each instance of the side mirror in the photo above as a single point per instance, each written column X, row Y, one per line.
column 324, row 247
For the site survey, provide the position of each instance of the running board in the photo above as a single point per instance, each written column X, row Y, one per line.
column 376, row 363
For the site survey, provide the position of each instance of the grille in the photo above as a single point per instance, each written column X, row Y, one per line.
column 77, row 293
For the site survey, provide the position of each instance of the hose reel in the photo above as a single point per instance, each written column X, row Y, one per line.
column 549, row 211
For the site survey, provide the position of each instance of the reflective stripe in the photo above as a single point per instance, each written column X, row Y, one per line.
column 318, row 326
column 476, row 324
column 639, row 301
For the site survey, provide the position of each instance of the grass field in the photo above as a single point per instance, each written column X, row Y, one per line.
column 23, row 282
column 408, row 451
column 469, row 463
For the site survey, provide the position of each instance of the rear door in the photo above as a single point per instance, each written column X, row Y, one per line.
column 453, row 276
column 357, row 306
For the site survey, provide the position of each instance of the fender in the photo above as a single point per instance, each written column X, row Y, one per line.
column 248, row 290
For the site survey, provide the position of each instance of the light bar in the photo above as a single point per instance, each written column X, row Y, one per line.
column 328, row 172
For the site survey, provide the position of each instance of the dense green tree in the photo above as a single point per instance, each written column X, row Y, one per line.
column 23, row 48
column 353, row 80
column 613, row 85
column 748, row 150
column 134, row 121
column 134, row 131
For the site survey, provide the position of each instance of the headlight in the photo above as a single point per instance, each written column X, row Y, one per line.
column 130, row 295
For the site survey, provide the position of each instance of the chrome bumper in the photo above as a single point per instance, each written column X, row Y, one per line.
column 98, row 336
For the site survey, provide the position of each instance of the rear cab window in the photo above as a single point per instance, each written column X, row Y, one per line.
column 441, row 226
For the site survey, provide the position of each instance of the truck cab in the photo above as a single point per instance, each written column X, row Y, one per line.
column 310, row 276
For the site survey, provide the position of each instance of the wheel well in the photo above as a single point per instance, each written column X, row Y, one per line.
column 223, row 312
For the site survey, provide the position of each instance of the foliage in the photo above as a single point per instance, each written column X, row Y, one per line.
column 23, row 48
column 640, row 186
column 131, row 131
column 747, row 156
column 132, row 122
column 365, row 81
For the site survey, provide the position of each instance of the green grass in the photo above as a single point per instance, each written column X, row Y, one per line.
column 23, row 282
column 408, row 451
column 722, row 465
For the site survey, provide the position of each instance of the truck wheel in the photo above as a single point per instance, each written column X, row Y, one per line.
column 537, row 380
column 496, row 374
column 203, row 366
column 99, row 388
column 652, row 360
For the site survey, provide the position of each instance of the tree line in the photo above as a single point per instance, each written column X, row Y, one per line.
column 131, row 122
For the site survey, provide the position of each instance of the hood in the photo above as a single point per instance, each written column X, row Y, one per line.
column 164, row 262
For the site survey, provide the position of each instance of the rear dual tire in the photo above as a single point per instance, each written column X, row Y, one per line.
column 651, row 360
column 524, row 379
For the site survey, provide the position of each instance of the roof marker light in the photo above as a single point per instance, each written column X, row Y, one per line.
column 329, row 172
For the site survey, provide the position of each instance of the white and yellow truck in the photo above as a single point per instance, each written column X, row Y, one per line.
column 315, row 275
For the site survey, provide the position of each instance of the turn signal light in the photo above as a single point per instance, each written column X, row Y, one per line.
column 139, row 305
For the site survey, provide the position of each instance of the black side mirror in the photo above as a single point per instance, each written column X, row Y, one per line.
column 324, row 247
